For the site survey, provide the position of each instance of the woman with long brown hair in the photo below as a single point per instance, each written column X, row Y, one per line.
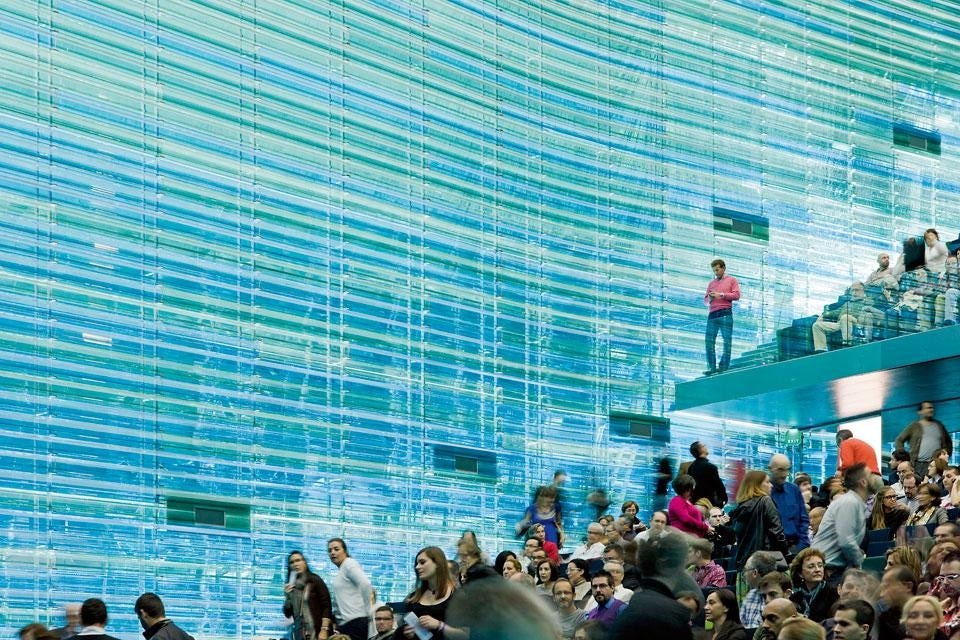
column 755, row 519
column 428, row 601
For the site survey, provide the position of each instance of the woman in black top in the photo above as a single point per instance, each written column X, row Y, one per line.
column 307, row 600
column 429, row 600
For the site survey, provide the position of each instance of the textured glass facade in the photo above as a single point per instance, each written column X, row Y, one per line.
column 308, row 259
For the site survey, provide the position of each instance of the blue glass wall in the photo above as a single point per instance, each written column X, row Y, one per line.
column 296, row 255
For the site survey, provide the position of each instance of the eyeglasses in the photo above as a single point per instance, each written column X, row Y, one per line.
column 890, row 497
column 950, row 576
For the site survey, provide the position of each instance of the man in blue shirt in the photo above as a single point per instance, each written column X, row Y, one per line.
column 789, row 501
column 608, row 607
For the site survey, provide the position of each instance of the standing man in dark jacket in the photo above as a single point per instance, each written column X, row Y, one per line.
column 153, row 618
column 925, row 436
column 709, row 485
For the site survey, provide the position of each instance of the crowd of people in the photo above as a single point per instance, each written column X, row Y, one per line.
column 861, row 556
column 918, row 292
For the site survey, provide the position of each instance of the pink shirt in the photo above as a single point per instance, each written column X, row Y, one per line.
column 686, row 517
column 730, row 289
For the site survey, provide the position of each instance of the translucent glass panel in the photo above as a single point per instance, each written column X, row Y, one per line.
column 274, row 252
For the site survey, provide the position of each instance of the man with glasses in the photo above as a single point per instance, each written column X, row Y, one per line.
column 903, row 468
column 384, row 622
column 568, row 614
column 946, row 589
column 790, row 504
column 621, row 593
column 911, row 485
column 758, row 565
column 608, row 608
column 593, row 547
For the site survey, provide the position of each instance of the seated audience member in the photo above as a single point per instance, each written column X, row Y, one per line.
column 811, row 593
column 758, row 565
column 946, row 589
column 853, row 620
column 614, row 532
column 606, row 607
column 921, row 619
column 705, row 572
column 629, row 511
column 547, row 574
column 385, row 623
column 721, row 610
column 498, row 610
column 907, row 557
column 842, row 316
column 501, row 559
column 593, row 547
column 816, row 517
column 579, row 575
column 934, row 557
column 882, row 272
column 946, row 531
column 800, row 628
column 935, row 469
column 903, row 468
column 530, row 548
column 511, row 566
column 590, row 630
column 621, row 593
column 653, row 611
column 539, row 532
column 631, row 574
column 775, row 585
column 857, row 584
column 946, row 312
column 568, row 614
column 690, row 601
column 911, row 484
column 683, row 515
column 658, row 523
column 951, row 491
column 887, row 513
column 896, row 457
column 805, row 484
column 775, row 613
column 928, row 507
column 898, row 585
column 905, row 315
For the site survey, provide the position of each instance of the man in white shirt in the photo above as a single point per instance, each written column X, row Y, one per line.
column 593, row 547
column 658, row 522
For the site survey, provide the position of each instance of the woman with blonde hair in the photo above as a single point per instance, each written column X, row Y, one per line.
column 921, row 618
column 755, row 519
column 799, row 628
column 905, row 556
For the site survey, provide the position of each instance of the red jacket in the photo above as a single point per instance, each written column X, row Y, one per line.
column 854, row 450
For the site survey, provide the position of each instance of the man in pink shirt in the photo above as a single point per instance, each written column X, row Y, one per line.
column 721, row 292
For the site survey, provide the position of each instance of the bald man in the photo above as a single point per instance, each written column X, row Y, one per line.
column 774, row 614
column 790, row 504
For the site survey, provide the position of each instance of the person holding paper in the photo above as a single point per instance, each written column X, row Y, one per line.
column 307, row 601
column 428, row 602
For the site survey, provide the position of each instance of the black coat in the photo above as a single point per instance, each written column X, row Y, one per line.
column 709, row 484
column 731, row 630
column 653, row 612
column 758, row 528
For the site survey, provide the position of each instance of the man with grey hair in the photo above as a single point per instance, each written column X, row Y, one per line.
column 593, row 547
column 789, row 500
column 653, row 611
column 755, row 568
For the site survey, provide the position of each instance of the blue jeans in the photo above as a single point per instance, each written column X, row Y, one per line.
column 721, row 321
